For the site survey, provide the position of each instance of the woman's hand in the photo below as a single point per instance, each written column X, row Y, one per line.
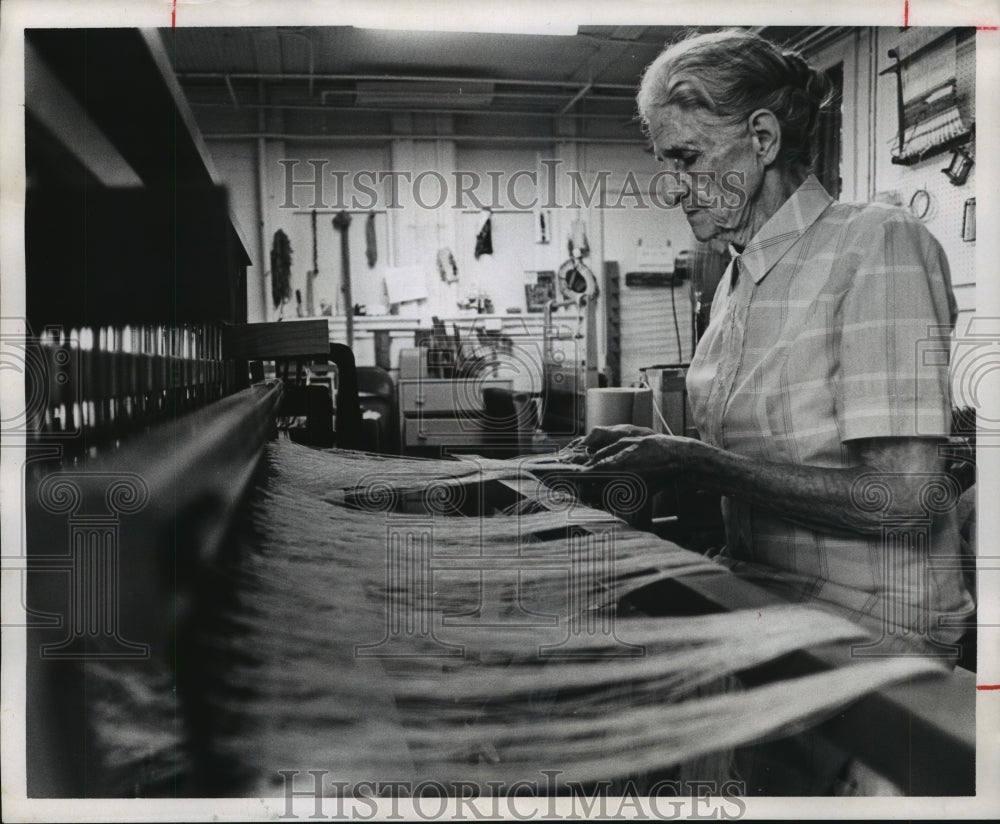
column 649, row 453
column 602, row 436
column 581, row 450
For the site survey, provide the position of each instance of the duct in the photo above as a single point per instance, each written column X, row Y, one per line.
column 398, row 93
column 369, row 138
column 421, row 94
column 493, row 112
column 505, row 81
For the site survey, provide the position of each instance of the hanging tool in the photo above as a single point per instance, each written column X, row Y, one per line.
column 312, row 273
column 578, row 285
column 281, row 268
column 371, row 249
column 342, row 223
column 484, row 235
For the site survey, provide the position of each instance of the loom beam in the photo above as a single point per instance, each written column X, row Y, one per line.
column 178, row 491
column 195, row 472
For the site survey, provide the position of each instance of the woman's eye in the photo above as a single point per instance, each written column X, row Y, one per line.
column 679, row 161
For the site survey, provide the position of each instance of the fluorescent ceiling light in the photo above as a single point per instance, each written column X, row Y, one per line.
column 467, row 26
column 391, row 93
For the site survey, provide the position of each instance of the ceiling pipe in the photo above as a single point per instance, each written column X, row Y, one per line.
column 818, row 39
column 577, row 98
column 397, row 110
column 464, row 138
column 566, row 84
column 512, row 95
column 232, row 92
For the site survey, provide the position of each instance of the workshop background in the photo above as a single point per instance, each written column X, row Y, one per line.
column 481, row 103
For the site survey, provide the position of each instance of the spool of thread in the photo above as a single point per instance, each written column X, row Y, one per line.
column 607, row 407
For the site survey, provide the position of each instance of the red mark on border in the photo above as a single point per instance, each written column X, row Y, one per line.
column 173, row 16
column 906, row 13
column 988, row 686
column 987, row 28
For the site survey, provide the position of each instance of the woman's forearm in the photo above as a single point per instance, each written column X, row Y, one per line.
column 820, row 498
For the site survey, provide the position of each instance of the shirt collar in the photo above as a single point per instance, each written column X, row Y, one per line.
column 784, row 228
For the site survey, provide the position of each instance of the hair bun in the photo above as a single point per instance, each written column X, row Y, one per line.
column 813, row 82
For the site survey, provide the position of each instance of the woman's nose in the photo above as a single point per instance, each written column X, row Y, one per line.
column 674, row 187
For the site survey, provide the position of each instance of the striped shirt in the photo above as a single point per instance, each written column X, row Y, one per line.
column 832, row 332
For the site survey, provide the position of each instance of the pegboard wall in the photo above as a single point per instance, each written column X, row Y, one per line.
column 655, row 321
column 945, row 214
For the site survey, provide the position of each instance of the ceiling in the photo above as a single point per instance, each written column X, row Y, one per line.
column 346, row 83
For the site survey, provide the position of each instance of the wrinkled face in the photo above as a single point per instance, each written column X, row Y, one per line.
column 713, row 171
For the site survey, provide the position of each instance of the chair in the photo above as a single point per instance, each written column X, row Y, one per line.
column 377, row 401
column 510, row 418
column 294, row 346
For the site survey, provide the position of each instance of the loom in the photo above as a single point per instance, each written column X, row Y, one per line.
column 237, row 605
column 209, row 604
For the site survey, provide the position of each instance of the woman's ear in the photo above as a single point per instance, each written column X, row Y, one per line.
column 766, row 131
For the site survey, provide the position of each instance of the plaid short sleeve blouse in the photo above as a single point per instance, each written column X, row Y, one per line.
column 820, row 341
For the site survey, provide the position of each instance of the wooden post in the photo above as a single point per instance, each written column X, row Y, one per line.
column 314, row 272
column 342, row 223
column 590, row 344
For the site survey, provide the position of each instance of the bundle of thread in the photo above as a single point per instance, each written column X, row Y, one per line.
column 454, row 621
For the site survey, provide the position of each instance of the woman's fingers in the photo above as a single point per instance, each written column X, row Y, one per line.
column 648, row 453
column 601, row 436
column 595, row 438
column 578, row 456
column 623, row 446
column 575, row 452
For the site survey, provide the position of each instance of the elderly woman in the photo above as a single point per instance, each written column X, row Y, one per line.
column 818, row 416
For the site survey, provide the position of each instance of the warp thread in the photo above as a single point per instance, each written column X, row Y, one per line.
column 458, row 699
